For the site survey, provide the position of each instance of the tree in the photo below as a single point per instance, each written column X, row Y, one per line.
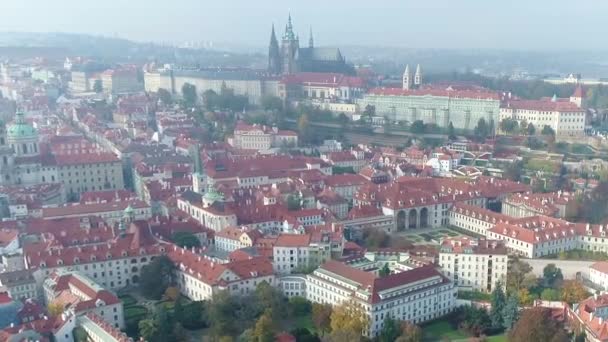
column 264, row 329
column 510, row 312
column 210, row 99
column 531, row 129
column 451, row 134
column 472, row 320
column 268, row 297
column 148, row 329
column 97, row 86
column 410, row 332
column 165, row 96
column 384, row 271
column 348, row 317
column 369, row 110
column 482, row 130
column 304, row 335
column 516, row 275
column 55, row 308
column 189, row 94
column 547, row 130
column 321, row 317
column 550, row 294
column 80, row 335
column 498, row 305
column 299, row 306
column 172, row 293
column 390, row 330
column 164, row 325
column 294, row 203
column 525, row 297
column 574, row 291
column 304, row 128
column 536, row 324
column 417, row 127
column 185, row 240
column 509, row 125
column 156, row 277
column 193, row 315
column 178, row 311
column 272, row 103
column 552, row 276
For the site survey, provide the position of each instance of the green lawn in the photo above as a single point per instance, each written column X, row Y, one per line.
column 497, row 338
column 438, row 330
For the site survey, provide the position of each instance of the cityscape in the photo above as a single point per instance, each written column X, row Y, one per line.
column 304, row 190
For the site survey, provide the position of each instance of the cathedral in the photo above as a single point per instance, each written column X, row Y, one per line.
column 289, row 57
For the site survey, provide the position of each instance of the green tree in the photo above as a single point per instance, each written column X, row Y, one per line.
column 164, row 325
column 552, row 276
column 384, row 271
column 97, row 86
column 390, row 330
column 510, row 312
column 264, row 328
column 185, row 240
column 531, row 129
column 369, row 110
column 509, row 125
column 472, row 320
column 193, row 315
column 165, row 96
column 272, row 103
column 271, row 298
column 482, row 130
column 210, row 99
column 550, row 294
column 547, row 130
column 178, row 311
column 80, row 335
column 451, row 133
column 498, row 305
column 156, row 277
column 148, row 329
column 294, row 203
column 299, row 306
column 417, row 127
column 189, row 94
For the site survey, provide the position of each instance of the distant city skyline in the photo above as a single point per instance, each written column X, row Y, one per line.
column 517, row 24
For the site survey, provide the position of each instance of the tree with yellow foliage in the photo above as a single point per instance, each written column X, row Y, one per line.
column 573, row 291
column 349, row 317
column 55, row 308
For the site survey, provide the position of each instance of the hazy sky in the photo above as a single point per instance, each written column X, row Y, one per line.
column 525, row 24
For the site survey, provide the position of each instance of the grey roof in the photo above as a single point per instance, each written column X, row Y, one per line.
column 192, row 197
column 320, row 54
column 221, row 74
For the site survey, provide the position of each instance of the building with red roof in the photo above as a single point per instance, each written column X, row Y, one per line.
column 564, row 116
column 261, row 138
column 439, row 104
column 394, row 295
column 76, row 292
column 598, row 274
column 591, row 315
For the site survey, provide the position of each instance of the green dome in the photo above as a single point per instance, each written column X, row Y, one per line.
column 128, row 210
column 20, row 129
column 213, row 195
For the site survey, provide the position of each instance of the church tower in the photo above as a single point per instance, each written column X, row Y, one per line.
column 289, row 49
column 418, row 76
column 199, row 177
column 407, row 78
column 7, row 162
column 274, row 55
column 311, row 40
column 578, row 96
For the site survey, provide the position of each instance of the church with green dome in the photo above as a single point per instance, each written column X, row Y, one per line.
column 22, row 137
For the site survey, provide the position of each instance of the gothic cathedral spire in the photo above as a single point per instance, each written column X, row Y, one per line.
column 407, row 78
column 274, row 55
column 311, row 40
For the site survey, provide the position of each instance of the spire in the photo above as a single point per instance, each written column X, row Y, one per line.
column 289, row 35
column 273, row 36
column 311, row 41
column 418, row 75
column 407, row 78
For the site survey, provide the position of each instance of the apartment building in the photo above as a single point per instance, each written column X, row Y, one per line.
column 474, row 264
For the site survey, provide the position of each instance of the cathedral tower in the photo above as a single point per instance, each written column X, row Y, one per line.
column 289, row 49
column 274, row 55
column 199, row 177
column 311, row 40
column 418, row 76
column 407, row 78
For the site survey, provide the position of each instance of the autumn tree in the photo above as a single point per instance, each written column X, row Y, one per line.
column 525, row 297
column 550, row 294
column 410, row 332
column 172, row 293
column 536, row 324
column 348, row 317
column 321, row 317
column 148, row 329
column 573, row 291
column 516, row 275
column 304, row 128
column 264, row 328
column 55, row 308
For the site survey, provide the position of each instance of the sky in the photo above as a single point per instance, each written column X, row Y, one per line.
column 483, row 24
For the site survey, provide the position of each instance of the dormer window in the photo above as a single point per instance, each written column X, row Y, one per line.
column 77, row 260
column 124, row 253
column 93, row 258
column 59, row 262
